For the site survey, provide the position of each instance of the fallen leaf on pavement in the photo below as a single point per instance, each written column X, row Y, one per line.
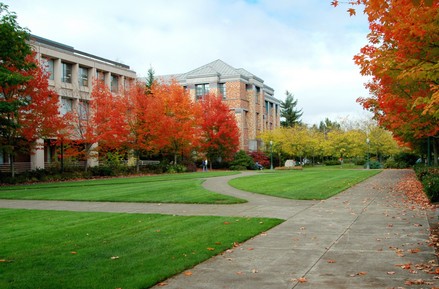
column 358, row 274
column 161, row 284
column 331, row 261
column 414, row 282
column 188, row 273
column 300, row 280
column 406, row 266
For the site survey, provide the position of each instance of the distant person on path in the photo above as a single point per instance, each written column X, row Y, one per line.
column 204, row 165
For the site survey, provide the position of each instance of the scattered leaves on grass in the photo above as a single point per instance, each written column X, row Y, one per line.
column 114, row 258
column 73, row 253
column 210, row 249
column 226, row 223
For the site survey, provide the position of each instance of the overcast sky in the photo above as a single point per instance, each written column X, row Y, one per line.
column 303, row 46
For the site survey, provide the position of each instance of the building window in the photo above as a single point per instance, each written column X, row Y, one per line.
column 222, row 89
column 66, row 105
column 83, row 76
column 100, row 76
column 83, row 109
column 48, row 66
column 114, row 83
column 257, row 93
column 201, row 90
column 126, row 84
column 267, row 108
column 66, row 72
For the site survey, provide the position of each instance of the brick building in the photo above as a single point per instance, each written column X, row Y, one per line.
column 255, row 108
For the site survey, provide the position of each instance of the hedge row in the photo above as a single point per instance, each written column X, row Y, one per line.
column 429, row 177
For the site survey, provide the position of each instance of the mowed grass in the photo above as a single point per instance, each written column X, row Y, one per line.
column 172, row 188
column 50, row 249
column 307, row 184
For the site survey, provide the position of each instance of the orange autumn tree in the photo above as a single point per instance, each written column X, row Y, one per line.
column 144, row 120
column 402, row 59
column 108, row 126
column 219, row 130
column 178, row 120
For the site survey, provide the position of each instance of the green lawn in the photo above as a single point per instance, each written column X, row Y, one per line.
column 307, row 184
column 50, row 249
column 174, row 188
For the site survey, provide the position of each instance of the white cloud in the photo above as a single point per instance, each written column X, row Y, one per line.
column 305, row 47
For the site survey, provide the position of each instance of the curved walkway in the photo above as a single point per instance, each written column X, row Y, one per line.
column 365, row 237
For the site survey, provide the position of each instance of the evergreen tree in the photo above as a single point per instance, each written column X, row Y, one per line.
column 150, row 79
column 289, row 111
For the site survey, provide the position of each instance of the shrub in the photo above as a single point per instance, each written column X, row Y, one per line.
column 375, row 165
column 360, row 162
column 406, row 160
column 190, row 166
column 391, row 164
column 102, row 171
column 242, row 161
column 173, row 169
column 331, row 163
column 421, row 171
column 431, row 186
column 261, row 158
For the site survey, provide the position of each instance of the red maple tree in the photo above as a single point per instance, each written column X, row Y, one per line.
column 219, row 130
column 34, row 112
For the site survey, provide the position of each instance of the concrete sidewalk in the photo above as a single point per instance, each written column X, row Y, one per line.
column 362, row 238
column 365, row 237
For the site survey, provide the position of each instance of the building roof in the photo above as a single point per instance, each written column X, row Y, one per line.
column 222, row 70
column 215, row 68
column 72, row 50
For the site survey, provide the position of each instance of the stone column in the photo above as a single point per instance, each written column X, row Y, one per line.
column 37, row 155
column 93, row 157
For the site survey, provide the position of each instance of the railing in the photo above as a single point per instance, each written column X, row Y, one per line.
column 18, row 166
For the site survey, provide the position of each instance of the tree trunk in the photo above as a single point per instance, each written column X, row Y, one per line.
column 137, row 161
column 435, row 151
column 11, row 165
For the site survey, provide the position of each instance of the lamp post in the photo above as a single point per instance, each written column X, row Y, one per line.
column 271, row 155
column 368, row 153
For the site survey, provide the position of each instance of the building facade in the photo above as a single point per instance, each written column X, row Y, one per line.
column 71, row 75
column 256, row 109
